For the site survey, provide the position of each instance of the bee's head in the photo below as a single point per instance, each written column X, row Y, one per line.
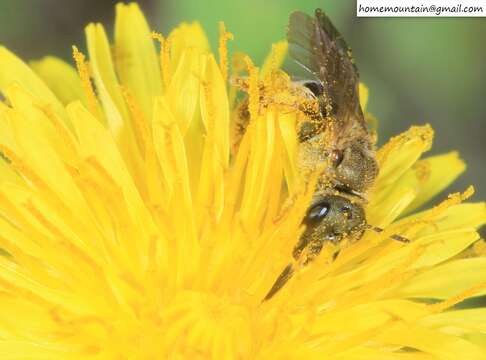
column 331, row 218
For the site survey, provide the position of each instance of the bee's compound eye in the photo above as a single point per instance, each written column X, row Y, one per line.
column 315, row 87
column 318, row 212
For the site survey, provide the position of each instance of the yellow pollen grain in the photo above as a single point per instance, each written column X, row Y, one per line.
column 224, row 36
column 83, row 72
column 253, row 88
column 164, row 57
column 446, row 304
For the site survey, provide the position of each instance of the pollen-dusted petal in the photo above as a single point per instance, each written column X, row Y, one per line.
column 444, row 245
column 395, row 189
column 61, row 78
column 446, row 280
column 401, row 152
column 429, row 250
column 435, row 174
column 14, row 70
column 468, row 215
column 135, row 57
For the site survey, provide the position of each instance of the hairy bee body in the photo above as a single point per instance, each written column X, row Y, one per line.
column 335, row 139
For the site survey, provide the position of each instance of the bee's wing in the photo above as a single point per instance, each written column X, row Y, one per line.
column 316, row 45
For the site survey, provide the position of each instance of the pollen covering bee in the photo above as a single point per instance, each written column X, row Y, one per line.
column 335, row 137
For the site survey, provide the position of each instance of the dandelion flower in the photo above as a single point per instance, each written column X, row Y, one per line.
column 130, row 229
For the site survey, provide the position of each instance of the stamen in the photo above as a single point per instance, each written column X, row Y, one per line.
column 224, row 36
column 276, row 58
column 83, row 72
column 164, row 57
column 253, row 88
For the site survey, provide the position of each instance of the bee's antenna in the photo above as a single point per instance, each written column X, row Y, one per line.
column 284, row 276
column 393, row 237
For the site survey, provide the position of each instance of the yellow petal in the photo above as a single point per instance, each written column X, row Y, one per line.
column 183, row 91
column 136, row 59
column 14, row 70
column 61, row 78
column 48, row 126
column 363, row 96
column 187, row 36
column 105, row 78
column 288, row 134
column 215, row 107
column 467, row 320
column 441, row 345
column 401, row 152
column 435, row 174
column 447, row 280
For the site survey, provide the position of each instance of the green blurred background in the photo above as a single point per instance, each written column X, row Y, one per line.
column 418, row 70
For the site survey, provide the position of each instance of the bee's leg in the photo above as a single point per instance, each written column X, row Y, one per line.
column 393, row 236
column 280, row 282
column 335, row 255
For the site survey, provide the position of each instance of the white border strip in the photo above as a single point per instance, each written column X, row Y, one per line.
column 420, row 8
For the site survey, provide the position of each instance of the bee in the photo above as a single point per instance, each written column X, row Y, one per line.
column 335, row 137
